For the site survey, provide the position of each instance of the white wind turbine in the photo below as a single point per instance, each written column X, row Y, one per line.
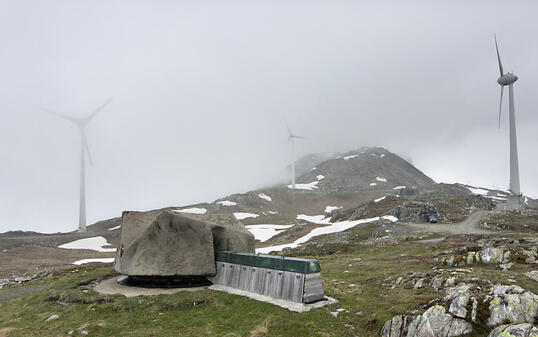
column 291, row 138
column 509, row 79
column 84, row 150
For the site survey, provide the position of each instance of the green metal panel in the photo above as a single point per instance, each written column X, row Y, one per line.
column 292, row 264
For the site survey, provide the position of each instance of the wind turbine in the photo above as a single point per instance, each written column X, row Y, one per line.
column 509, row 79
column 84, row 150
column 291, row 138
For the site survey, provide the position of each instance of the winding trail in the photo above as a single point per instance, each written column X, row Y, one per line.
column 467, row 226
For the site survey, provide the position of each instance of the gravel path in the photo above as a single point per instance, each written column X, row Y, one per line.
column 467, row 226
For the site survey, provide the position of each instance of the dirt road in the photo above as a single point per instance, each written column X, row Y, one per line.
column 467, row 226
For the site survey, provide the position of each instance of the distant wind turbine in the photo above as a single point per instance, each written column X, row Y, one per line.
column 509, row 79
column 84, row 150
column 291, row 138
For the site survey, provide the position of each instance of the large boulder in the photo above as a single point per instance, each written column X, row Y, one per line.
column 414, row 211
column 433, row 322
column 512, row 304
column 165, row 243
column 515, row 330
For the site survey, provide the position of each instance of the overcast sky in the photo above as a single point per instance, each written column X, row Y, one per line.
column 202, row 89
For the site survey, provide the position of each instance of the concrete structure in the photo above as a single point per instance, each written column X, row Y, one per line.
column 292, row 279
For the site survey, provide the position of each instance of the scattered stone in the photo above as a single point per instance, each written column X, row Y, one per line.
column 437, row 282
column 450, row 282
column 474, row 309
column 450, row 261
column 52, row 318
column 515, row 330
column 506, row 266
column 533, row 274
column 436, row 322
column 491, row 255
column 335, row 313
column 458, row 306
column 419, row 283
column 512, row 304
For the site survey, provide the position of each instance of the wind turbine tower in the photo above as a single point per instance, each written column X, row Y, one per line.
column 509, row 79
column 84, row 151
column 291, row 138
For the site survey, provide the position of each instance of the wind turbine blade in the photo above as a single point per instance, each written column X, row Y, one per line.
column 299, row 137
column 68, row 118
column 498, row 56
column 89, row 118
column 86, row 147
column 501, row 105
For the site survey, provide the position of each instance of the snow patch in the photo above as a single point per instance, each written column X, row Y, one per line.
column 272, row 212
column 113, row 228
column 193, row 210
column 313, row 169
column 227, row 203
column 382, row 155
column 332, row 228
column 381, row 179
column 265, row 197
column 373, row 184
column 311, row 186
column 390, row 217
column 102, row 260
column 380, row 199
column 477, row 191
column 317, row 219
column 95, row 243
column 319, row 177
column 265, row 232
column 329, row 209
column 241, row 216
column 350, row 157
column 398, row 187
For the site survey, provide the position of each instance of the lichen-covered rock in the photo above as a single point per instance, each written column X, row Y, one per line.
column 491, row 255
column 436, row 322
column 458, row 306
column 515, row 330
column 512, row 304
column 396, row 327
column 533, row 274
column 165, row 243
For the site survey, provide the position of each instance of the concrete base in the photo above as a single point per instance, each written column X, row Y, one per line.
column 112, row 287
column 290, row 305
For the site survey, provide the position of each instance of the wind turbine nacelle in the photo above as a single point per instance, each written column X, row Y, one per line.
column 507, row 79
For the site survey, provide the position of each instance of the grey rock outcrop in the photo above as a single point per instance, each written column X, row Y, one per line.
column 433, row 322
column 512, row 304
column 515, row 330
column 165, row 243
column 436, row 322
column 414, row 211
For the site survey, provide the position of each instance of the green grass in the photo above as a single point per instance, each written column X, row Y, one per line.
column 69, row 294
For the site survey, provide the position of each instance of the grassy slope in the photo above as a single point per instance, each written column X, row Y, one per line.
column 212, row 313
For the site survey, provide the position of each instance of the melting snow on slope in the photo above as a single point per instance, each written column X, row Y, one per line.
column 478, row 191
column 332, row 228
column 350, row 157
column 227, row 203
column 193, row 210
column 241, row 216
column 319, row 177
column 381, row 179
column 329, row 209
column 265, row 197
column 380, row 199
column 102, row 260
column 398, row 187
column 382, row 155
column 319, row 219
column 272, row 212
column 94, row 243
column 373, row 184
column 113, row 228
column 311, row 186
column 265, row 232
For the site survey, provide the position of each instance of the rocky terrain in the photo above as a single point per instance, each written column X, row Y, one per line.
column 363, row 214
